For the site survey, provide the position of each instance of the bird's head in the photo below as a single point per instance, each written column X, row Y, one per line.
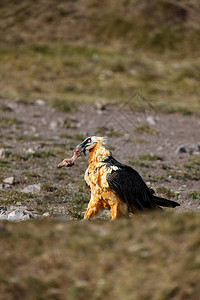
column 89, row 143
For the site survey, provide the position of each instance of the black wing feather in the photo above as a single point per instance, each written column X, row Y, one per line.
column 132, row 190
column 130, row 187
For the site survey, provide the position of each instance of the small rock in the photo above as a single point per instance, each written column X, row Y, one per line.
column 181, row 149
column 34, row 189
column 144, row 254
column 33, row 129
column 9, row 180
column 40, row 102
column 151, row 120
column 100, row 106
column 3, row 216
column 19, row 215
column 3, row 208
column 3, row 213
column 53, row 125
column 30, row 151
column 2, row 153
column 46, row 214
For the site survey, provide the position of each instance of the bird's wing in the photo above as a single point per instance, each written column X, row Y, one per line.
column 131, row 189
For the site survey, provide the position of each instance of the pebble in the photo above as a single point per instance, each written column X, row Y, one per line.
column 181, row 149
column 30, row 151
column 19, row 215
column 3, row 213
column 40, row 102
column 100, row 106
column 151, row 120
column 34, row 189
column 46, row 214
column 9, row 180
column 2, row 153
column 53, row 125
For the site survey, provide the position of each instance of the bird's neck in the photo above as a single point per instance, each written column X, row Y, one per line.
column 98, row 154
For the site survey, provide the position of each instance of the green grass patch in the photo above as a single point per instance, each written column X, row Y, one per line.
column 111, row 132
column 28, row 138
column 5, row 108
column 79, row 204
column 49, row 188
column 139, row 163
column 151, row 157
column 166, row 192
column 195, row 160
column 165, row 167
column 12, row 197
column 79, row 137
column 183, row 175
column 64, row 105
column 146, row 129
column 8, row 122
column 194, row 194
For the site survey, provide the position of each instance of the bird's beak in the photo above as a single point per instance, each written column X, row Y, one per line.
column 81, row 148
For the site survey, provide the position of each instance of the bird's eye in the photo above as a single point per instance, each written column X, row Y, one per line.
column 89, row 141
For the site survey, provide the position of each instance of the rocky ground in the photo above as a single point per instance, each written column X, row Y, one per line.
column 34, row 138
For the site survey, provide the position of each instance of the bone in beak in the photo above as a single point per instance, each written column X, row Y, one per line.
column 69, row 162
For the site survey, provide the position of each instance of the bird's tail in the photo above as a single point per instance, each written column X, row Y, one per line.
column 164, row 202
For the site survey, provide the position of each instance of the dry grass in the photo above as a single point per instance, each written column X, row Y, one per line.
column 69, row 77
column 153, row 256
column 67, row 61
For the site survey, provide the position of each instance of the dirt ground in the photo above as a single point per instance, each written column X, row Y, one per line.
column 36, row 137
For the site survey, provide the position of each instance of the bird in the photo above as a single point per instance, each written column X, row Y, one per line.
column 114, row 185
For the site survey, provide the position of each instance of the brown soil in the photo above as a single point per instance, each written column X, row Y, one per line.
column 52, row 135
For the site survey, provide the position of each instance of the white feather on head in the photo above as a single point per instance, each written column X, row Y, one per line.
column 99, row 139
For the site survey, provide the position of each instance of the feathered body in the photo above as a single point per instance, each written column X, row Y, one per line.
column 102, row 196
column 113, row 185
column 116, row 186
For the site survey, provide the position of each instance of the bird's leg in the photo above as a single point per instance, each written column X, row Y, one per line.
column 93, row 207
column 117, row 211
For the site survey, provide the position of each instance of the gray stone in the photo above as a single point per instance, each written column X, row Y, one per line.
column 3, row 213
column 2, row 153
column 19, row 215
column 100, row 106
column 40, row 102
column 53, row 125
column 9, row 180
column 4, row 216
column 34, row 189
column 30, row 151
column 151, row 120
column 3, row 208
column 181, row 149
column 46, row 214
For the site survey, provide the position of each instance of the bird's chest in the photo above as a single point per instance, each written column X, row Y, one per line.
column 96, row 176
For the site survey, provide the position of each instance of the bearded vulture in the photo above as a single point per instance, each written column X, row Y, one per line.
column 113, row 185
